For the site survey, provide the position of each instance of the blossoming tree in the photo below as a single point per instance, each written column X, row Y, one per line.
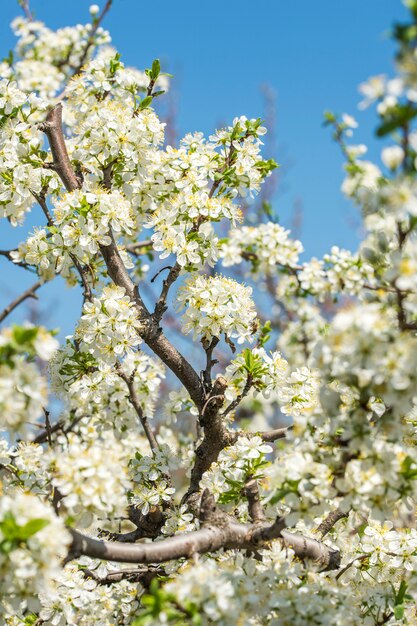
column 123, row 504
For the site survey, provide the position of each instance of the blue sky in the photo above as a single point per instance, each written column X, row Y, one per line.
column 312, row 54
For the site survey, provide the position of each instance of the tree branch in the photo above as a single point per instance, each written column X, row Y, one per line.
column 90, row 41
column 219, row 531
column 144, row 575
column 328, row 523
column 216, row 436
column 208, row 348
column 240, row 397
column 151, row 333
column 52, row 127
column 26, row 9
column 136, row 248
column 161, row 305
column 29, row 293
column 251, row 491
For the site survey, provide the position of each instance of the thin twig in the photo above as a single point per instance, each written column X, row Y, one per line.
column 29, row 293
column 362, row 557
column 40, row 198
column 209, row 362
column 90, row 41
column 136, row 248
column 161, row 304
column 240, row 397
column 26, row 9
column 134, row 400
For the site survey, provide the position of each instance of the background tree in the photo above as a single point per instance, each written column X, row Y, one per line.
column 222, row 520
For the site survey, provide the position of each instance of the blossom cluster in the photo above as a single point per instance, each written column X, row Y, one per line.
column 215, row 306
column 23, row 387
column 151, row 478
column 85, row 474
column 21, row 155
column 33, row 542
column 109, row 326
column 296, row 391
column 266, row 246
column 236, row 464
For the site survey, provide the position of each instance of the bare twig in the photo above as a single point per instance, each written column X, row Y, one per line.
column 138, row 247
column 240, row 397
column 8, row 253
column 361, row 557
column 47, row 426
column 90, row 41
column 209, row 347
column 46, row 433
column 142, row 575
column 26, row 9
column 42, row 437
column 40, row 198
column 161, row 305
column 134, row 400
column 273, row 435
column 29, row 293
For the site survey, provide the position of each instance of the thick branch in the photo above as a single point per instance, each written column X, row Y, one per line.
column 29, row 293
column 52, row 127
column 218, row 533
column 176, row 362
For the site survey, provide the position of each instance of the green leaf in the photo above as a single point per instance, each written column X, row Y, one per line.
column 23, row 335
column 156, row 69
column 329, row 118
column 32, row 527
column 397, row 117
column 145, row 102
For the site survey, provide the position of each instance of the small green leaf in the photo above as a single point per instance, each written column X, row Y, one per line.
column 156, row 69
column 32, row 527
column 145, row 102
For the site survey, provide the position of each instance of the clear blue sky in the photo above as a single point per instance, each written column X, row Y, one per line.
column 313, row 54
